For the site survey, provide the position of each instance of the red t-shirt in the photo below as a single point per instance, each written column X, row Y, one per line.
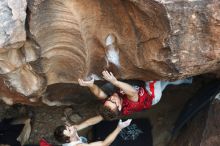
column 144, row 101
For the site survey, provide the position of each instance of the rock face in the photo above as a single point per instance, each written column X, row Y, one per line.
column 135, row 39
column 194, row 35
column 203, row 130
column 119, row 44
column 12, row 24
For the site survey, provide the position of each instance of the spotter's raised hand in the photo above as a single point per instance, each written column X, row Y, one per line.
column 124, row 124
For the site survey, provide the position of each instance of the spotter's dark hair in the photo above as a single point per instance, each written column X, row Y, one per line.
column 59, row 136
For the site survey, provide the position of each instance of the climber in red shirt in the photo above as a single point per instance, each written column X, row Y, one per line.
column 128, row 99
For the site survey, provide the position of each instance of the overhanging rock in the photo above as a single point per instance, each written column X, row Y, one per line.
column 135, row 39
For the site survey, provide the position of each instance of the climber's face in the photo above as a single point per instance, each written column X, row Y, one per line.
column 114, row 102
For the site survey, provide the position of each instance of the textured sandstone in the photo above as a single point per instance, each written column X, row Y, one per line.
column 194, row 36
column 135, row 39
column 12, row 23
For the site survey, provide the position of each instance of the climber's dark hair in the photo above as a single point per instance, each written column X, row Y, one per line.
column 107, row 113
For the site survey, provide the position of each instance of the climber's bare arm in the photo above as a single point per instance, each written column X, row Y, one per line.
column 128, row 89
column 89, row 122
column 98, row 92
